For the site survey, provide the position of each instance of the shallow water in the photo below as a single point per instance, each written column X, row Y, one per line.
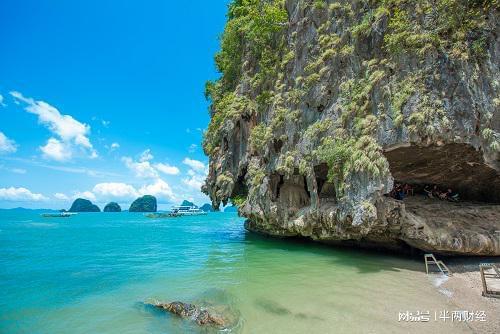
column 91, row 273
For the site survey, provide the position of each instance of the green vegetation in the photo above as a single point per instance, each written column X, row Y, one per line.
column 238, row 200
column 345, row 156
column 259, row 137
column 253, row 31
column 454, row 26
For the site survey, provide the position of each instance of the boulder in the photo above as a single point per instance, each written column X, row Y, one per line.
column 112, row 207
column 83, row 205
column 146, row 203
column 198, row 314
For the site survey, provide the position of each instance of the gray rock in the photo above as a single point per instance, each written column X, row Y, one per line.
column 200, row 315
column 445, row 132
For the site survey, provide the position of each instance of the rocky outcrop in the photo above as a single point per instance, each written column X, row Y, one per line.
column 83, row 205
column 322, row 105
column 112, row 207
column 146, row 203
column 200, row 315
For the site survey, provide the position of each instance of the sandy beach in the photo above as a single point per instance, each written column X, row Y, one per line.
column 464, row 289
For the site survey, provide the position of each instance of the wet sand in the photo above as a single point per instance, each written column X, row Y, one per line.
column 464, row 289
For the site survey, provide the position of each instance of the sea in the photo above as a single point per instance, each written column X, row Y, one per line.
column 99, row 273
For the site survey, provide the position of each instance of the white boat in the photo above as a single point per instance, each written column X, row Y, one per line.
column 58, row 215
column 186, row 210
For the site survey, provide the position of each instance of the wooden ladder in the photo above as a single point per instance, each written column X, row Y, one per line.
column 489, row 276
column 430, row 259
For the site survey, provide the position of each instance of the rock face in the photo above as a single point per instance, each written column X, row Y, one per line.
column 146, row 203
column 83, row 205
column 112, row 207
column 315, row 119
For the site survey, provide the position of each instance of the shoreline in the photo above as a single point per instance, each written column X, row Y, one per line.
column 464, row 290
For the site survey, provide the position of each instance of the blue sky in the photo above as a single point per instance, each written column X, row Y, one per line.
column 104, row 99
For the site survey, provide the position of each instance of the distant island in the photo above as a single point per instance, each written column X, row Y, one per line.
column 83, row 205
column 188, row 203
column 112, row 207
column 146, row 203
column 207, row 207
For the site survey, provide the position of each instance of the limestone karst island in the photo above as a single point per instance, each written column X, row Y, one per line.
column 250, row 166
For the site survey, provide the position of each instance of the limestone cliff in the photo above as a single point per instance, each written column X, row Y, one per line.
column 321, row 105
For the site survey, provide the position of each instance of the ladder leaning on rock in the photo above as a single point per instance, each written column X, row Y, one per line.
column 490, row 280
column 431, row 259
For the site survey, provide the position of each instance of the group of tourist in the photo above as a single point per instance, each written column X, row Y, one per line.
column 435, row 192
column 400, row 191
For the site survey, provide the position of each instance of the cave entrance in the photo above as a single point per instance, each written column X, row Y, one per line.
column 467, row 226
column 453, row 166
column 326, row 189
column 291, row 192
column 240, row 189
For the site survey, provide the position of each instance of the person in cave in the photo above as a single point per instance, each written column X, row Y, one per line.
column 408, row 190
column 436, row 192
column 450, row 195
column 398, row 192
column 428, row 191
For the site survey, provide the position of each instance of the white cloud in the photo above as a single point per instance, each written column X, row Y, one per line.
column 125, row 192
column 70, row 131
column 20, row 194
column 2, row 104
column 142, row 169
column 86, row 195
column 195, row 164
column 13, row 170
column 194, row 182
column 7, row 145
column 61, row 196
column 192, row 148
column 159, row 189
column 146, row 156
column 115, row 146
column 167, row 169
column 56, row 150
column 114, row 190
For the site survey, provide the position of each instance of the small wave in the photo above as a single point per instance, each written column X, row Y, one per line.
column 438, row 280
column 42, row 224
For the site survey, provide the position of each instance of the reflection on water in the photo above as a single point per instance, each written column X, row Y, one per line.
column 92, row 273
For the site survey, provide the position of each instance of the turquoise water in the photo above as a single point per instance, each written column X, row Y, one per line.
column 92, row 273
